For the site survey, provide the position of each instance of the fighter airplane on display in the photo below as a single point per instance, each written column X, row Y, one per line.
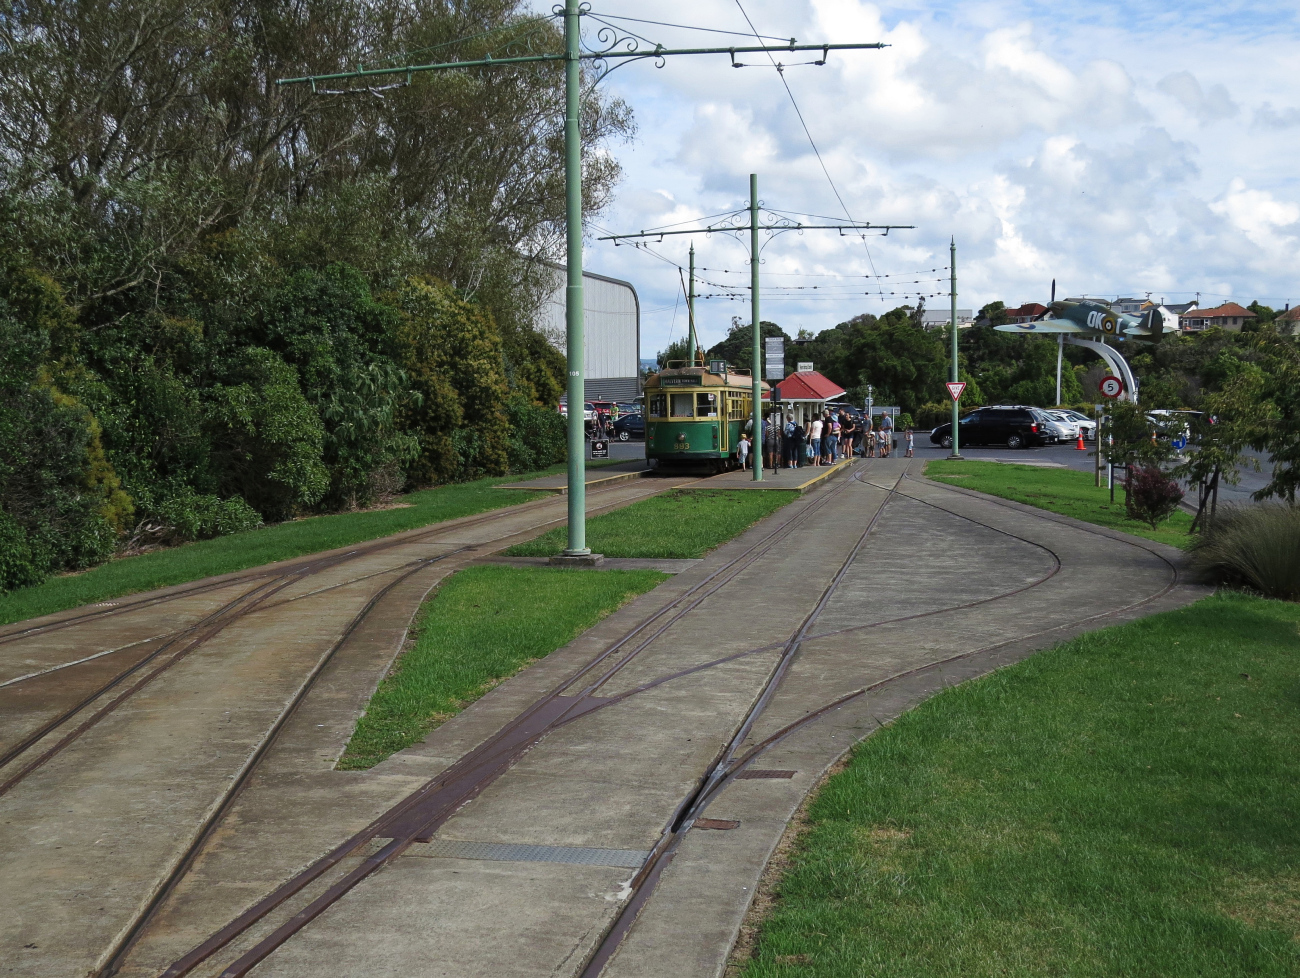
column 1091, row 320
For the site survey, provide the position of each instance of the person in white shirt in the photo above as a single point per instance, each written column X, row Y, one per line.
column 815, row 440
column 742, row 449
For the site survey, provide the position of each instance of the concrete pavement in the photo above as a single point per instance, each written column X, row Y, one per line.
column 526, row 878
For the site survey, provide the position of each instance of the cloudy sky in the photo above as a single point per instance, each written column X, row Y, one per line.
column 1121, row 148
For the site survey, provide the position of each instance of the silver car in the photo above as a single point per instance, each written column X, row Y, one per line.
column 1081, row 422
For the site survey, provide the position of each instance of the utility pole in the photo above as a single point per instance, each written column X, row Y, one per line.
column 753, row 226
column 756, row 363
column 622, row 51
column 1060, row 350
column 574, row 320
column 690, row 312
column 952, row 267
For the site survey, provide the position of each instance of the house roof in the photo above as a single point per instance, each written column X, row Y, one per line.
column 1028, row 309
column 1222, row 312
column 809, row 385
column 1290, row 315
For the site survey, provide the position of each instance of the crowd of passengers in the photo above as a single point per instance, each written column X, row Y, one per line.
column 824, row 440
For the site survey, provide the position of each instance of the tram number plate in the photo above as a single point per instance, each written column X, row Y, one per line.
column 683, row 446
column 600, row 449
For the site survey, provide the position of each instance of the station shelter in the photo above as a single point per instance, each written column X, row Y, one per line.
column 804, row 395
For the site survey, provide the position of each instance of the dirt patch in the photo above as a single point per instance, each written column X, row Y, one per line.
column 766, row 894
column 1271, row 903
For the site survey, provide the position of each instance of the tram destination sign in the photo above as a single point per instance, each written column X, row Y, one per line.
column 686, row 380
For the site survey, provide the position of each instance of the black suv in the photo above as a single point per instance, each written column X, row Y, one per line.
column 1015, row 427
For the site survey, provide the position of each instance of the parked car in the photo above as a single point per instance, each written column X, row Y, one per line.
column 1085, row 424
column 1172, row 424
column 1062, row 428
column 1016, row 427
column 588, row 411
column 628, row 426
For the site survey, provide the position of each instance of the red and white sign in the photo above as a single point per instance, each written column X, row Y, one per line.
column 1111, row 387
column 955, row 387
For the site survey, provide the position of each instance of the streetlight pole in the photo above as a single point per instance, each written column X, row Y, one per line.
column 573, row 312
column 756, row 358
column 952, row 267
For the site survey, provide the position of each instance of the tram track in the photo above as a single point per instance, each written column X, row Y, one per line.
column 206, row 628
column 728, row 765
column 420, row 814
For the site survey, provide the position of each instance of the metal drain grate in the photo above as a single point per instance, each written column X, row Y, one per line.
column 752, row 775
column 513, row 852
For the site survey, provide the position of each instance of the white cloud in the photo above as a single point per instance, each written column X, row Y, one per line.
column 1205, row 106
column 1051, row 141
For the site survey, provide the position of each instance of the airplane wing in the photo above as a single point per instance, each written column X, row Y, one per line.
column 1043, row 326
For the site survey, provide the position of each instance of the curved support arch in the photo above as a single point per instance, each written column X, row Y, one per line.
column 1117, row 363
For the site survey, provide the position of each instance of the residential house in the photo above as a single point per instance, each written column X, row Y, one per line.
column 936, row 318
column 1288, row 321
column 1229, row 316
column 1026, row 313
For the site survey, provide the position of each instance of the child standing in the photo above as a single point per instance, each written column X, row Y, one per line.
column 909, row 443
column 742, row 449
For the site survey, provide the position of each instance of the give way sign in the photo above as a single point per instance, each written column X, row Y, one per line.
column 955, row 387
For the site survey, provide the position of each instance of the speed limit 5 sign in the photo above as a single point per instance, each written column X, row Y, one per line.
column 1111, row 387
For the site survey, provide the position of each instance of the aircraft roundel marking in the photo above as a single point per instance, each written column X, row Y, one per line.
column 1108, row 324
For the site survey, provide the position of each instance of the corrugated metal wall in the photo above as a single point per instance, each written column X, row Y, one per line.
column 612, row 331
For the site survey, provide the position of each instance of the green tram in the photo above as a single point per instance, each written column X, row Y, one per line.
column 694, row 415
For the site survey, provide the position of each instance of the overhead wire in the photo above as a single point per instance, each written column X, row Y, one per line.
column 811, row 142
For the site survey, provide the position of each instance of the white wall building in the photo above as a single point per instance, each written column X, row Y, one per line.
column 612, row 331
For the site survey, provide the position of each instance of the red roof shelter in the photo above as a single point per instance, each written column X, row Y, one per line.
column 807, row 392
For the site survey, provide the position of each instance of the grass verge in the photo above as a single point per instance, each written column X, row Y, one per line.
column 240, row 551
column 673, row 525
column 1062, row 491
column 1122, row 804
column 482, row 626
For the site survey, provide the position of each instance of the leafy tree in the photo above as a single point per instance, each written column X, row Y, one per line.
column 738, row 349
column 1261, row 406
column 267, row 440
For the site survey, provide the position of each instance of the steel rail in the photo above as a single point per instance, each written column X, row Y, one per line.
column 226, row 615
column 366, row 548
column 727, row 766
column 419, row 813
column 114, row 957
column 661, row 855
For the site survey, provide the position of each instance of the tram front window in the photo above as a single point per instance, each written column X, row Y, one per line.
column 658, row 406
column 706, row 405
column 681, row 406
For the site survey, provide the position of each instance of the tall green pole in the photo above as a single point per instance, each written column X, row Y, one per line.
column 952, row 265
column 573, row 321
column 756, row 361
column 690, row 314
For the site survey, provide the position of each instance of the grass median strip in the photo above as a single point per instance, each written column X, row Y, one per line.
column 240, row 551
column 479, row 628
column 1064, row 491
column 1122, row 804
column 679, row 525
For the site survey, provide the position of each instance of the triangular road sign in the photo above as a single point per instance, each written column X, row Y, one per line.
column 955, row 387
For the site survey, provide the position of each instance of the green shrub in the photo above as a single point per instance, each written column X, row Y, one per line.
column 1150, row 495
column 195, row 517
column 537, row 436
column 1253, row 546
column 267, row 440
column 17, row 568
column 930, row 416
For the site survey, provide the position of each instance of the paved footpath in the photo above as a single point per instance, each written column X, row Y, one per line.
column 628, row 839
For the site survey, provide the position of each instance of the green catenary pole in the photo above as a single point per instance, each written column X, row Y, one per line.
column 690, row 314
column 756, row 360
column 952, row 265
column 573, row 319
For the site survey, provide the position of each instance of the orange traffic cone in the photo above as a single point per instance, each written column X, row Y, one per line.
column 1080, row 446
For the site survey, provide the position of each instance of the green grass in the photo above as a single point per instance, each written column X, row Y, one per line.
column 239, row 551
column 673, row 525
column 1062, row 491
column 1124, row 804
column 482, row 626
